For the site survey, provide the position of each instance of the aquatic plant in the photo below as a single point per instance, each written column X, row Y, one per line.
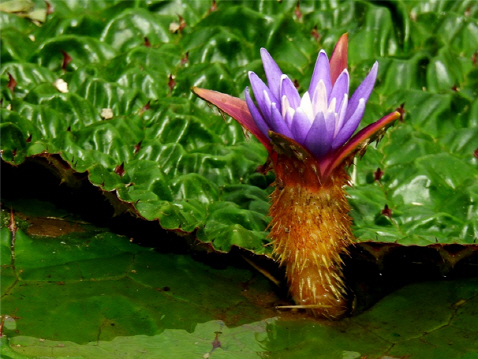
column 310, row 144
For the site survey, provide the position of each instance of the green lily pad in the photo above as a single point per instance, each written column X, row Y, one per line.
column 179, row 159
column 73, row 289
column 100, row 279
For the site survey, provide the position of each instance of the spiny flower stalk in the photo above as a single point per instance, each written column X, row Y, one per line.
column 310, row 144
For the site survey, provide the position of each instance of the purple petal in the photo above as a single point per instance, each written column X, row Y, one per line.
column 288, row 114
column 256, row 115
column 321, row 72
column 288, row 90
column 300, row 126
column 349, row 126
column 258, row 88
column 277, row 122
column 317, row 140
column 341, row 115
column 340, row 88
column 363, row 91
column 330, row 121
column 273, row 73
column 267, row 103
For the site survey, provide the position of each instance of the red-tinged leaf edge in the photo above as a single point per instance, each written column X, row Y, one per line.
column 236, row 108
column 338, row 60
column 359, row 142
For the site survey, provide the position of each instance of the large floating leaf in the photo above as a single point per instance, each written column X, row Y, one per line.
column 175, row 160
column 103, row 280
column 73, row 289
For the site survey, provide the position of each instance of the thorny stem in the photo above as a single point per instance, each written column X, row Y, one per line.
column 310, row 229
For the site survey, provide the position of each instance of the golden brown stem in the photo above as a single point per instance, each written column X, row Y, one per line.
column 309, row 230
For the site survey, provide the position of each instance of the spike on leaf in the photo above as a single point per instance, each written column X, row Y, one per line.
column 119, row 170
column 378, row 174
column 387, row 212
column 66, row 60
column 182, row 23
column 49, row 8
column 171, row 83
column 12, row 226
column 297, row 11
column 185, row 59
column 216, row 343
column 213, row 6
column 11, row 83
column 315, row 33
column 144, row 108
column 137, row 147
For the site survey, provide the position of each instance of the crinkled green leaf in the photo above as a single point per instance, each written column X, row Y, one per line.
column 15, row 46
column 194, row 171
column 82, row 50
column 129, row 29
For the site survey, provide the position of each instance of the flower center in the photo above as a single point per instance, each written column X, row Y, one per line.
column 311, row 107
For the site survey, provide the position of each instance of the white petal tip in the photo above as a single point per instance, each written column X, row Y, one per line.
column 283, row 77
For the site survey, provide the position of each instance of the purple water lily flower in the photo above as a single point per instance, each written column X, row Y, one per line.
column 323, row 119
column 309, row 142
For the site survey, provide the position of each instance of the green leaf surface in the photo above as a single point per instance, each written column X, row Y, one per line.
column 71, row 289
column 115, row 287
column 195, row 172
